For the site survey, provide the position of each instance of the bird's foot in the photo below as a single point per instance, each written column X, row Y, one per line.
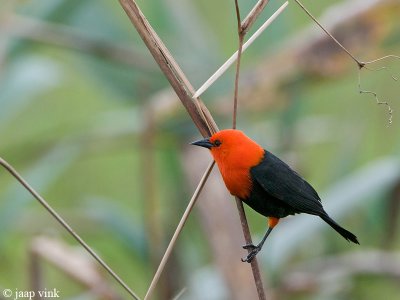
column 253, row 252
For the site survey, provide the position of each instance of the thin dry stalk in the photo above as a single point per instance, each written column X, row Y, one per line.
column 254, row 262
column 253, row 15
column 66, row 226
column 382, row 58
column 242, row 214
column 288, row 54
column 359, row 63
column 241, row 35
column 234, row 56
column 178, row 230
column 181, row 85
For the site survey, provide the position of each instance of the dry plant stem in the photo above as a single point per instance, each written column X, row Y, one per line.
column 359, row 63
column 382, row 58
column 236, row 92
column 178, row 231
column 242, row 214
column 241, row 35
column 64, row 224
column 253, row 15
column 182, row 87
column 247, row 237
column 233, row 58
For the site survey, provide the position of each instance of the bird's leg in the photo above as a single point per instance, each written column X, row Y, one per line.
column 255, row 249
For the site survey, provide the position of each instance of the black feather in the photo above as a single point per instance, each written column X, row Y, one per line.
column 278, row 191
column 343, row 232
column 278, row 180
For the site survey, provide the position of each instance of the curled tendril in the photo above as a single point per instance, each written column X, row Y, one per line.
column 375, row 95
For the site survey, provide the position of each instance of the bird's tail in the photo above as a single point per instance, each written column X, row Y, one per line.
column 343, row 232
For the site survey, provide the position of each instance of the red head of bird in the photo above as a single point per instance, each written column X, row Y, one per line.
column 235, row 154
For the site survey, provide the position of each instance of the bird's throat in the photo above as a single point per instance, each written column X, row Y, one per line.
column 236, row 174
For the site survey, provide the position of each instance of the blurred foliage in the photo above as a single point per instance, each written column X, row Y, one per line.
column 71, row 121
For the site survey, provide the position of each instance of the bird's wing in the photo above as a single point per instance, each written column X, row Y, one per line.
column 283, row 183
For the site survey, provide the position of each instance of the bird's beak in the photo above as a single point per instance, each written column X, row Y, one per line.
column 203, row 143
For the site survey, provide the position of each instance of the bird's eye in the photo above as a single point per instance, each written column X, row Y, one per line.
column 217, row 143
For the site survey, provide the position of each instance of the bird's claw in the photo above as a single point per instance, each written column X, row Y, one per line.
column 253, row 252
column 249, row 247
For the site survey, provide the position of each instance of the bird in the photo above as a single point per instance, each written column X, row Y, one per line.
column 265, row 183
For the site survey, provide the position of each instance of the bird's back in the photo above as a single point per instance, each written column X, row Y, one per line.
column 279, row 191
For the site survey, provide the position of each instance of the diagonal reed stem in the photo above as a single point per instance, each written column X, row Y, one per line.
column 178, row 230
column 234, row 56
column 253, row 15
column 358, row 62
column 196, row 109
column 66, row 226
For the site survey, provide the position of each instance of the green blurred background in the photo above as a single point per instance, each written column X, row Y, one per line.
column 92, row 124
